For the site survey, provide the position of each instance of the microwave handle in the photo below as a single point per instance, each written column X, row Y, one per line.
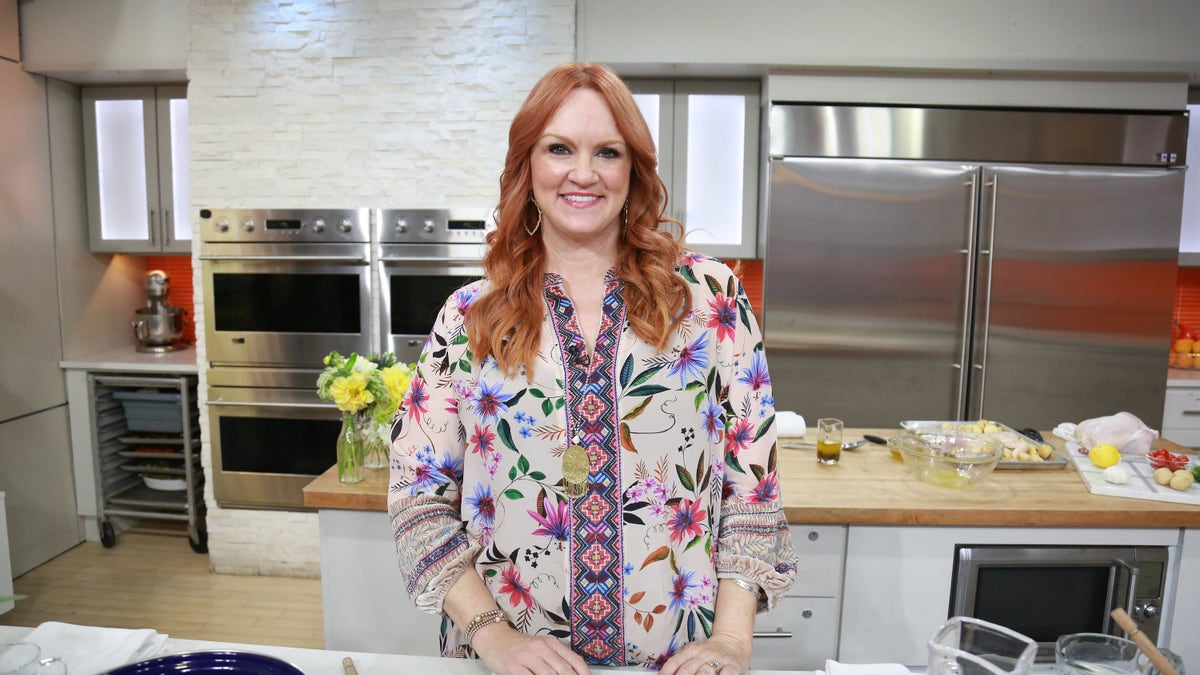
column 1131, row 591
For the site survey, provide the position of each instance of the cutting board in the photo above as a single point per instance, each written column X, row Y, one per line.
column 1140, row 486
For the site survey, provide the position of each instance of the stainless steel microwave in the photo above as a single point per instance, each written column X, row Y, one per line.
column 1047, row 591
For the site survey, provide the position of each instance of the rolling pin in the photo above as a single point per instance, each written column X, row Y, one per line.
column 1143, row 642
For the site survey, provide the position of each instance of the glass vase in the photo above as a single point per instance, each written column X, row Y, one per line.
column 350, row 451
column 375, row 444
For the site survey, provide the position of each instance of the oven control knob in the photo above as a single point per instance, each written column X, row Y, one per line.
column 248, row 225
column 428, row 226
column 1148, row 611
column 222, row 225
column 401, row 225
column 318, row 225
column 346, row 225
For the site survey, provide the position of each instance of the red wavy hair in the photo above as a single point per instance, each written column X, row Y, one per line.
column 507, row 320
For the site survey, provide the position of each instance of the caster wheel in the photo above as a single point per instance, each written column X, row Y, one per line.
column 108, row 537
column 199, row 541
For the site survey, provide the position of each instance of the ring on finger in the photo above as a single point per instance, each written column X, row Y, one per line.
column 714, row 664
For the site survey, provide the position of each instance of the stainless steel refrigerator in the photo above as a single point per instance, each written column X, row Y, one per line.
column 939, row 263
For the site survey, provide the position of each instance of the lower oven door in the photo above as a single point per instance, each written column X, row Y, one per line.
column 415, row 281
column 267, row 444
column 286, row 304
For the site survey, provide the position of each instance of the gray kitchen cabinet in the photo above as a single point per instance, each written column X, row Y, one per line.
column 801, row 632
column 136, row 150
column 707, row 135
column 1181, row 414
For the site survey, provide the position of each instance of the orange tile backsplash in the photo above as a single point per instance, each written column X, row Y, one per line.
column 1187, row 298
column 178, row 269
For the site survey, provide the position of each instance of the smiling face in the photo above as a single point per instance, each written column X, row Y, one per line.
column 580, row 169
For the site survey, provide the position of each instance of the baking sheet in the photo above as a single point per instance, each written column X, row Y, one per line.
column 1140, row 486
column 1056, row 460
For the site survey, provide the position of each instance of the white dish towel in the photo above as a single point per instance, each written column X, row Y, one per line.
column 788, row 424
column 88, row 650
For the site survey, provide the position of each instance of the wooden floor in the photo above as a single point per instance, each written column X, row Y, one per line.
column 157, row 581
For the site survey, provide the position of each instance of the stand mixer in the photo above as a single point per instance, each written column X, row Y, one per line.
column 158, row 326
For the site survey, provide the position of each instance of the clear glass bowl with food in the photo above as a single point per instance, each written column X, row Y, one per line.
column 947, row 457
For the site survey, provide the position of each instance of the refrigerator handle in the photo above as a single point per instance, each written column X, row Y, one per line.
column 965, row 335
column 983, row 319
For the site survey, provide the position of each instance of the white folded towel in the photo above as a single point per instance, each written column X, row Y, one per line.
column 88, row 650
column 834, row 668
column 788, row 424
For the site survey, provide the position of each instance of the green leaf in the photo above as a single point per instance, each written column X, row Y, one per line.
column 638, row 410
column 687, row 273
column 646, row 374
column 459, row 339
column 647, row 390
column 685, row 478
column 537, row 475
column 547, row 407
column 490, row 572
column 523, row 464
column 757, row 471
column 713, row 285
column 512, row 400
column 536, row 393
column 512, row 473
column 762, row 428
column 695, row 540
column 504, row 432
column 731, row 461
column 513, row 493
column 626, row 371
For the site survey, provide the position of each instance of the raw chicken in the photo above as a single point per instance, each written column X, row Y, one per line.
column 1124, row 430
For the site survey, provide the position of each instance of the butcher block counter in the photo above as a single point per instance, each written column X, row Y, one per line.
column 869, row 487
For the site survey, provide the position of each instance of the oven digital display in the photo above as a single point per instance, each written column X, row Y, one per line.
column 454, row 225
column 289, row 224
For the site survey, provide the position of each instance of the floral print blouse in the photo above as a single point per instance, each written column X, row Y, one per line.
column 682, row 490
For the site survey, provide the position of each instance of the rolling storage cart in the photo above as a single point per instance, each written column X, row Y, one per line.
column 148, row 447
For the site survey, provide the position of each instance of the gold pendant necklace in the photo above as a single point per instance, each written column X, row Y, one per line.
column 576, row 467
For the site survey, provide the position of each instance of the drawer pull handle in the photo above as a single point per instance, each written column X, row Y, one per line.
column 775, row 634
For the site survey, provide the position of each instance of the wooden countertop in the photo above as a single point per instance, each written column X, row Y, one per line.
column 868, row 487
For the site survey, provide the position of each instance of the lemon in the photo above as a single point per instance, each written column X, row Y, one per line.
column 1104, row 455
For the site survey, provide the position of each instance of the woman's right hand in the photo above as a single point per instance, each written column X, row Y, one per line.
column 507, row 651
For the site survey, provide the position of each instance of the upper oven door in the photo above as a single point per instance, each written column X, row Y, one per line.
column 286, row 304
column 414, row 281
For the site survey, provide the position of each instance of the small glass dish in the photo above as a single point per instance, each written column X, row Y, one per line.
column 1095, row 654
column 965, row 645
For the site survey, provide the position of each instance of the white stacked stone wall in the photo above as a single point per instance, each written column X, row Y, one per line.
column 349, row 104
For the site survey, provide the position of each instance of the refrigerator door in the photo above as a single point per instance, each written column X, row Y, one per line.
column 867, row 287
column 1076, row 280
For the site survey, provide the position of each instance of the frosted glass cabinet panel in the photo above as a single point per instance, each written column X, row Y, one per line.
column 707, row 138
column 136, row 147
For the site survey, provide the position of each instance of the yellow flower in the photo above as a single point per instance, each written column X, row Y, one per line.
column 397, row 378
column 350, row 392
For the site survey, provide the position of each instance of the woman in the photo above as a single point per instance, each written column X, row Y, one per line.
column 583, row 470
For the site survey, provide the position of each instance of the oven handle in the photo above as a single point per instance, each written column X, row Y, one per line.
column 1132, row 589
column 268, row 404
column 290, row 258
column 476, row 262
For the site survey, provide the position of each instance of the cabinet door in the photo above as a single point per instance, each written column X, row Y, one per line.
column 799, row 634
column 10, row 42
column 174, row 188
column 122, row 168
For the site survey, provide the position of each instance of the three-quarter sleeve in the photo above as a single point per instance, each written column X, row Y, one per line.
column 425, row 487
column 754, row 542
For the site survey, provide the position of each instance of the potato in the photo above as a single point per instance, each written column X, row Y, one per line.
column 1181, row 479
column 1045, row 450
column 1162, row 476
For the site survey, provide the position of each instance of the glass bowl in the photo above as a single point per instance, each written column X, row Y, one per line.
column 947, row 457
column 1095, row 654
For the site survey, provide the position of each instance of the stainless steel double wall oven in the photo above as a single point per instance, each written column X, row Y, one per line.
column 282, row 288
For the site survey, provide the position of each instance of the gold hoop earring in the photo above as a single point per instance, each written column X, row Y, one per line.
column 539, row 220
column 625, row 217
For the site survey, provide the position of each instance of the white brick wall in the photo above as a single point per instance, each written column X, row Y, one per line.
column 344, row 104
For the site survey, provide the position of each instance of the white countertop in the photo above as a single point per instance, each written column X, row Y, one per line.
column 322, row 662
column 129, row 360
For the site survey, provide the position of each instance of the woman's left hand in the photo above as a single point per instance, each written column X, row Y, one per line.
column 721, row 654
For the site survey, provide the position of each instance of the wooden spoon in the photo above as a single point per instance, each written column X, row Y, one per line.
column 1143, row 642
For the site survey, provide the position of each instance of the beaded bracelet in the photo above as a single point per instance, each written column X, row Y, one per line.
column 482, row 620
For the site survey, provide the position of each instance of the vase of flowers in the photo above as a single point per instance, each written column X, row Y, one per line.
column 367, row 390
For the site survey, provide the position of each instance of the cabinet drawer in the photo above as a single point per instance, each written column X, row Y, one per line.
column 1182, row 436
column 821, row 550
column 799, row 634
column 1181, row 410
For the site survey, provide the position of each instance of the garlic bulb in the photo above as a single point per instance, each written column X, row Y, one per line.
column 1117, row 473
